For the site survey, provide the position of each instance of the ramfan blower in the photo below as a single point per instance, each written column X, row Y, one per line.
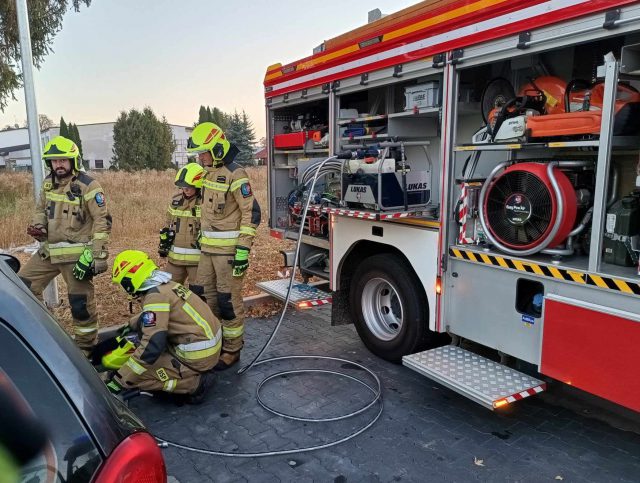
column 531, row 207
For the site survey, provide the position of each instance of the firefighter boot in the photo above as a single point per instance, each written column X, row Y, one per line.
column 207, row 381
column 227, row 359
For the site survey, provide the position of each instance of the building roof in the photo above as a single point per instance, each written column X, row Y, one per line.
column 11, row 149
column 262, row 154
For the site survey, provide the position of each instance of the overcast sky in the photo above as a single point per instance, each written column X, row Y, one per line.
column 176, row 55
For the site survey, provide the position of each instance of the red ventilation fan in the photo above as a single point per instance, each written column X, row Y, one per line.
column 520, row 206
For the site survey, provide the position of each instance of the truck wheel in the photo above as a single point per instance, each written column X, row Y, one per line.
column 390, row 309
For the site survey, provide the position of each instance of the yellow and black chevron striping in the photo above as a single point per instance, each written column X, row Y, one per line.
column 548, row 271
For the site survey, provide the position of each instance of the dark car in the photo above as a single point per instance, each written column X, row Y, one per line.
column 92, row 435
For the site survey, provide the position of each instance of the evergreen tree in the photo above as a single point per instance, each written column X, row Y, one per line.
column 241, row 133
column 45, row 21
column 64, row 130
column 76, row 139
column 142, row 141
column 220, row 118
column 209, row 115
column 203, row 115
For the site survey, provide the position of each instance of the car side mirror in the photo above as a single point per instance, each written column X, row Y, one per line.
column 13, row 262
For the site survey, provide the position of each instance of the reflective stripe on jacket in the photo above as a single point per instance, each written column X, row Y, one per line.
column 230, row 212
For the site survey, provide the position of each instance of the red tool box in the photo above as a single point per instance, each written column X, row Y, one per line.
column 293, row 140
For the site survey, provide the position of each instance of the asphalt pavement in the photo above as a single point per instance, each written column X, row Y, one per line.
column 425, row 433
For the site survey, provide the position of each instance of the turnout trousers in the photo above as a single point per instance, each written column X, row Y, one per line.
column 223, row 293
column 180, row 273
column 167, row 374
column 38, row 272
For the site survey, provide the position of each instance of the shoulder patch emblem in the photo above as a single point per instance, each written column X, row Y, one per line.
column 221, row 179
column 245, row 189
column 100, row 199
column 175, row 202
column 47, row 185
column 148, row 319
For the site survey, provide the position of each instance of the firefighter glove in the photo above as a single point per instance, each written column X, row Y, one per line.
column 240, row 262
column 37, row 231
column 99, row 265
column 167, row 236
column 83, row 267
column 197, row 243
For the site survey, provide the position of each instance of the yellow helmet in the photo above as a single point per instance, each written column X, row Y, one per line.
column 62, row 148
column 131, row 268
column 209, row 137
column 190, row 175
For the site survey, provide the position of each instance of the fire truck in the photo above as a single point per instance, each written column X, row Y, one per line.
column 476, row 210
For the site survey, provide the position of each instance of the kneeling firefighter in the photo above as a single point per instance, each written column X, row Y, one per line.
column 180, row 338
column 179, row 238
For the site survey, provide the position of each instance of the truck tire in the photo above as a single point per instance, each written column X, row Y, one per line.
column 390, row 309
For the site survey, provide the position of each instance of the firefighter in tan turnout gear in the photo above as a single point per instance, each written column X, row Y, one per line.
column 72, row 224
column 179, row 239
column 180, row 338
column 230, row 216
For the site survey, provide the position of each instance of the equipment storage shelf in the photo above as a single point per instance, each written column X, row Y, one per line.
column 301, row 151
column 299, row 130
column 362, row 116
column 566, row 197
column 417, row 113
column 299, row 136
column 618, row 143
column 395, row 129
column 344, row 122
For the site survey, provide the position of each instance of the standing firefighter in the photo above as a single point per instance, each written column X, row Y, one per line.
column 180, row 338
column 72, row 223
column 230, row 216
column 179, row 239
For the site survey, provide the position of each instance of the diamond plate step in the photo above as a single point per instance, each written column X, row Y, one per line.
column 303, row 296
column 485, row 382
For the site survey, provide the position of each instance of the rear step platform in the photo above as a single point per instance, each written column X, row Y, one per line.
column 486, row 382
column 303, row 295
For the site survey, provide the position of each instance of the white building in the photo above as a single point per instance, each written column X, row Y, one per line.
column 97, row 145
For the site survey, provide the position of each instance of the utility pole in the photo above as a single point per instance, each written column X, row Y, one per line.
column 35, row 144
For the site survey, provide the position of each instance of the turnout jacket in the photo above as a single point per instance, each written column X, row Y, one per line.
column 173, row 320
column 184, row 218
column 230, row 212
column 74, row 212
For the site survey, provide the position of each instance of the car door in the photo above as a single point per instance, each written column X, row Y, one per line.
column 71, row 455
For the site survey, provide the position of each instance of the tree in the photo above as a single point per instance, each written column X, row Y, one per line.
column 45, row 21
column 142, row 141
column 214, row 115
column 203, row 115
column 45, row 122
column 74, row 135
column 220, row 118
column 241, row 133
column 64, row 130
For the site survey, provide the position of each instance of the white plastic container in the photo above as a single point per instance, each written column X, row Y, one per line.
column 421, row 95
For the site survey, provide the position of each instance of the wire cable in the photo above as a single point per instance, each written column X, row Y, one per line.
column 376, row 389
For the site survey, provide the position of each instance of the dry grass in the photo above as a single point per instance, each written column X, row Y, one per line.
column 138, row 205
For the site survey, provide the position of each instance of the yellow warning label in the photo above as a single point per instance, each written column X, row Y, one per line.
column 162, row 374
